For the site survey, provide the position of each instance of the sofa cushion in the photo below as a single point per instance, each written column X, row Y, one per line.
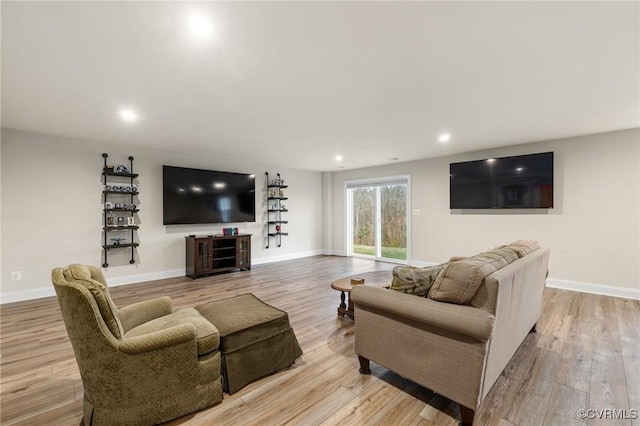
column 80, row 274
column 524, row 247
column 460, row 280
column 416, row 281
column 207, row 335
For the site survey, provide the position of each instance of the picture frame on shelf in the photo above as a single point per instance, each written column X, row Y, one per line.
column 131, row 221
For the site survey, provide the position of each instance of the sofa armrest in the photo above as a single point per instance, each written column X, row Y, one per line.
column 161, row 339
column 138, row 313
column 462, row 319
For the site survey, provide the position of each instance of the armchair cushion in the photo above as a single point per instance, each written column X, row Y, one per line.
column 460, row 280
column 138, row 313
column 413, row 280
column 89, row 277
column 207, row 335
column 160, row 339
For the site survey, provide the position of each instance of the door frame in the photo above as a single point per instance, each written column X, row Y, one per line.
column 348, row 210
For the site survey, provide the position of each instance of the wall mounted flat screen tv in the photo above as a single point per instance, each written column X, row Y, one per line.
column 191, row 196
column 520, row 182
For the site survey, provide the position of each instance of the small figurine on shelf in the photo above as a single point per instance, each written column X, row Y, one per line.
column 277, row 182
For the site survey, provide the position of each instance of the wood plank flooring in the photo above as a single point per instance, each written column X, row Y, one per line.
column 586, row 355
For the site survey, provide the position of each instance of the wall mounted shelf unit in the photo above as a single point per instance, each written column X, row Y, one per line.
column 119, row 216
column 275, row 208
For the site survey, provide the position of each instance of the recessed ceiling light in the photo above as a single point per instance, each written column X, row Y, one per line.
column 339, row 157
column 519, row 169
column 200, row 26
column 444, row 137
column 129, row 115
column 219, row 185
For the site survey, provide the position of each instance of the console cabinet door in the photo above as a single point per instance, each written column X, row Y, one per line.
column 203, row 255
column 243, row 252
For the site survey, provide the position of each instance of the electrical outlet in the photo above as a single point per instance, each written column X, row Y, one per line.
column 16, row 275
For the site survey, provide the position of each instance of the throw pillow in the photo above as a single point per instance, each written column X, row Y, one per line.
column 524, row 247
column 460, row 280
column 413, row 280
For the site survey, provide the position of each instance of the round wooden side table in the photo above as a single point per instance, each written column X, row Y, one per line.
column 344, row 286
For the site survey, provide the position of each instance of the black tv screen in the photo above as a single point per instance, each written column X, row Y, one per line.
column 520, row 182
column 192, row 196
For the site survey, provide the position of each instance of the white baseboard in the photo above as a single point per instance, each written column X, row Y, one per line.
column 271, row 259
column 20, row 296
column 38, row 293
column 140, row 278
column 605, row 290
column 334, row 253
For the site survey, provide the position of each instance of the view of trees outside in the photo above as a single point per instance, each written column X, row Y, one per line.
column 364, row 213
column 393, row 213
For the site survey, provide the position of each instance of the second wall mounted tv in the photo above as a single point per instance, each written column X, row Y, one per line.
column 520, row 182
column 191, row 196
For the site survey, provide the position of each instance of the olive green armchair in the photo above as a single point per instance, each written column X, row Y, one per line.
column 141, row 364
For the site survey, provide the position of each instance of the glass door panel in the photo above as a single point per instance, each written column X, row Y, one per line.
column 378, row 220
column 393, row 221
column 364, row 220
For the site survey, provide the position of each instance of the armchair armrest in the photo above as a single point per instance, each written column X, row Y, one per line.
column 462, row 319
column 159, row 340
column 138, row 313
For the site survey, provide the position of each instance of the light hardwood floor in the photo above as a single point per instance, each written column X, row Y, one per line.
column 586, row 354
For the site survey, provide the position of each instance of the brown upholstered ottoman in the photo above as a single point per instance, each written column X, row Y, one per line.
column 255, row 339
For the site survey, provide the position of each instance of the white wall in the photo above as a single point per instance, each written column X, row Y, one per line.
column 52, row 211
column 593, row 231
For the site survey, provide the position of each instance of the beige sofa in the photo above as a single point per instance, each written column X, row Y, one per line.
column 458, row 345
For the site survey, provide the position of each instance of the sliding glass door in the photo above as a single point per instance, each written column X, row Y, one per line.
column 377, row 218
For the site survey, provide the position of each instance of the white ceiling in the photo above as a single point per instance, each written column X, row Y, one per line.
column 295, row 83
